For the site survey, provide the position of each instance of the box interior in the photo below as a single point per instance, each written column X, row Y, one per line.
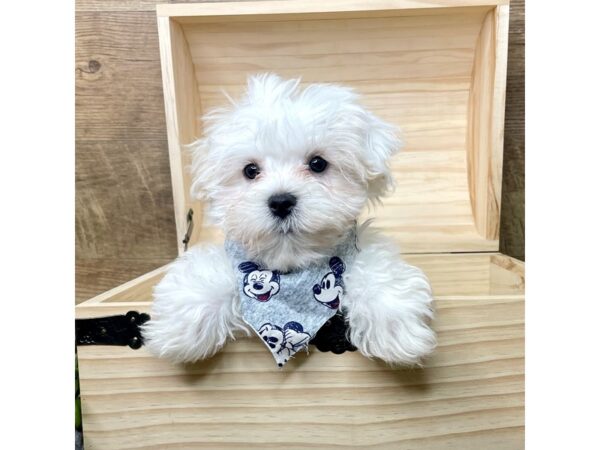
column 432, row 73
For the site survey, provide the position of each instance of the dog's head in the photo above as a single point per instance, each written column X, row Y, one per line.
column 286, row 171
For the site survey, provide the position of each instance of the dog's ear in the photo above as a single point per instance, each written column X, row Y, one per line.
column 382, row 142
column 248, row 266
column 337, row 266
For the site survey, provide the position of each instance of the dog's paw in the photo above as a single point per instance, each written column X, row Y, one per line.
column 389, row 318
column 195, row 308
column 395, row 339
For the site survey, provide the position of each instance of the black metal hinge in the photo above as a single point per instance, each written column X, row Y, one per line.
column 125, row 330
column 112, row 330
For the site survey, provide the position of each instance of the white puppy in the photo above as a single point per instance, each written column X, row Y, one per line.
column 286, row 172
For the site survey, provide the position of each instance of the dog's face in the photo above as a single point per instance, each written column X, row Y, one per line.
column 287, row 171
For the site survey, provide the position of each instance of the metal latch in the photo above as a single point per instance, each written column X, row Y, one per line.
column 112, row 330
column 190, row 227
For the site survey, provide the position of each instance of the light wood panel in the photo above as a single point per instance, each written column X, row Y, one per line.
column 264, row 10
column 417, row 73
column 183, row 115
column 449, row 274
column 507, row 275
column 486, row 122
column 469, row 395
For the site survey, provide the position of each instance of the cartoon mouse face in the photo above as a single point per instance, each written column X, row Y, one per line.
column 259, row 284
column 329, row 291
column 286, row 341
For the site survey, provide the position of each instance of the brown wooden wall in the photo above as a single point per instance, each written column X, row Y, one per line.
column 124, row 214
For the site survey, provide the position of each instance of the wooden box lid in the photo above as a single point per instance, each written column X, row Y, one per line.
column 437, row 69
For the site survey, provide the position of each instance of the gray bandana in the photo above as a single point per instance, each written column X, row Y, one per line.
column 287, row 309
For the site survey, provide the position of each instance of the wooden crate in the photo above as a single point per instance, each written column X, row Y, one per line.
column 435, row 68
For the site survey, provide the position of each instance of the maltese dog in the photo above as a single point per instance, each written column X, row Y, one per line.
column 285, row 172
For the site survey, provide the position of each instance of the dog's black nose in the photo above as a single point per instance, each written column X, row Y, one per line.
column 282, row 204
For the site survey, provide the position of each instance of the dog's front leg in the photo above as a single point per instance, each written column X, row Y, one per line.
column 196, row 307
column 388, row 303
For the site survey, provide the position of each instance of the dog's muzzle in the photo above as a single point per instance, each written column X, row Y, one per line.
column 281, row 205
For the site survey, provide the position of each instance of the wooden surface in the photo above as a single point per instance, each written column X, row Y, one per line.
column 469, row 395
column 182, row 125
column 423, row 72
column 485, row 138
column 125, row 221
column 512, row 217
column 327, row 9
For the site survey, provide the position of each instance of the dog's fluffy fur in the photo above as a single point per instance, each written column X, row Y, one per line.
column 280, row 127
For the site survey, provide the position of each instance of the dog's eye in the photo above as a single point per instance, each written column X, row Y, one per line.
column 251, row 171
column 317, row 164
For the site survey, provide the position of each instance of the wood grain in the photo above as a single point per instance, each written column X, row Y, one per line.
column 512, row 224
column 129, row 5
column 124, row 224
column 118, row 84
column 123, row 216
column 302, row 10
column 183, row 126
column 470, row 395
column 486, row 121
column 94, row 275
column 416, row 74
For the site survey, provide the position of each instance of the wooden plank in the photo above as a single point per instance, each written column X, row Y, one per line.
column 284, row 9
column 116, row 5
column 507, row 275
column 129, row 5
column 123, row 200
column 512, row 224
column 418, row 78
column 486, row 121
column 183, row 112
column 470, row 395
column 118, row 91
column 94, row 276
